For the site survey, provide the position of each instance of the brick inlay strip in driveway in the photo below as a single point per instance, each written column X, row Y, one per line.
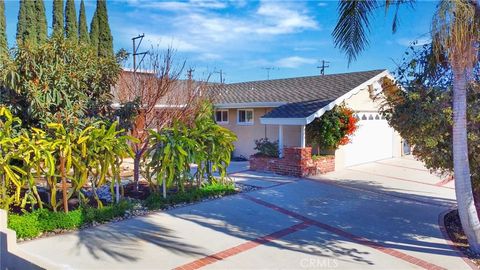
column 400, row 166
column 401, row 179
column 242, row 247
column 445, row 181
column 337, row 183
column 306, row 222
column 355, row 238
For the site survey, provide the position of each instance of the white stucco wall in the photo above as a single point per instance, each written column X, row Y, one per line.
column 247, row 134
column 361, row 102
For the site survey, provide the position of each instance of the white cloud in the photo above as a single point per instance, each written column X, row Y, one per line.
column 179, row 6
column 209, row 4
column 281, row 18
column 209, row 56
column 174, row 42
column 161, row 41
column 294, row 62
column 214, row 29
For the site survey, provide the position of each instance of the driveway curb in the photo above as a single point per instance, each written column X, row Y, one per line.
column 443, row 229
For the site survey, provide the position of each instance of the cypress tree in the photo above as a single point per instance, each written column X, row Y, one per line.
column 71, row 29
column 105, row 39
column 3, row 30
column 22, row 21
column 26, row 26
column 41, row 21
column 82, row 25
column 94, row 32
column 57, row 23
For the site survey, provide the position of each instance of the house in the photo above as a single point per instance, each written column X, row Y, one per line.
column 280, row 109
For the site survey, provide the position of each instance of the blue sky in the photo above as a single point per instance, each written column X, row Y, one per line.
column 243, row 37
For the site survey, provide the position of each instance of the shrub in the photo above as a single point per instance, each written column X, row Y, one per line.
column 50, row 221
column 29, row 225
column 92, row 153
column 266, row 148
column 26, row 225
column 156, row 201
column 32, row 224
column 173, row 150
column 105, row 213
column 332, row 129
column 58, row 78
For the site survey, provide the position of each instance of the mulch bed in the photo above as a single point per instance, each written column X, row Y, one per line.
column 457, row 236
column 142, row 193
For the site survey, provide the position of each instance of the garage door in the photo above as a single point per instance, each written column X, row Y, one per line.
column 373, row 140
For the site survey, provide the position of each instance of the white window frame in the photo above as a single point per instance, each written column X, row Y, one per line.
column 222, row 122
column 245, row 123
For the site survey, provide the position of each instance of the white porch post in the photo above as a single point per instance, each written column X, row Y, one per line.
column 302, row 136
column 280, row 141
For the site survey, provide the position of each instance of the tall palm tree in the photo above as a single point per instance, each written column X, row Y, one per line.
column 455, row 34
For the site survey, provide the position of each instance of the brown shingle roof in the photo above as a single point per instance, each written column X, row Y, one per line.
column 303, row 95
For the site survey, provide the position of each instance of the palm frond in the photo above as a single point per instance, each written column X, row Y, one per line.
column 350, row 33
column 397, row 4
column 455, row 32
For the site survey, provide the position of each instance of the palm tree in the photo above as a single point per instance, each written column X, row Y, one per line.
column 456, row 35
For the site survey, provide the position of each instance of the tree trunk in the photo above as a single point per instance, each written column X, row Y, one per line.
column 463, row 185
column 164, row 188
column 64, row 184
column 136, row 168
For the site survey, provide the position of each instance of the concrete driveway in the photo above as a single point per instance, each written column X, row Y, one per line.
column 382, row 215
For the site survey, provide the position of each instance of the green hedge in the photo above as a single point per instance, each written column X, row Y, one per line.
column 106, row 213
column 30, row 225
column 156, row 201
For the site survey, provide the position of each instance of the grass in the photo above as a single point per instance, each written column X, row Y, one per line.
column 32, row 224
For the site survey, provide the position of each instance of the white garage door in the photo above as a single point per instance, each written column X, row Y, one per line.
column 373, row 140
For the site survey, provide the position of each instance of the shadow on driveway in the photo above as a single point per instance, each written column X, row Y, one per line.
column 392, row 217
column 121, row 241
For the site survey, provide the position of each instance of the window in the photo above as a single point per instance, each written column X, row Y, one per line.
column 221, row 116
column 245, row 117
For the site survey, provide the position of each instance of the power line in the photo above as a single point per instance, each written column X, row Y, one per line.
column 325, row 64
column 190, row 73
column 268, row 69
column 221, row 73
column 135, row 51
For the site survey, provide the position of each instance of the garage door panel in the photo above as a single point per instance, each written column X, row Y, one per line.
column 373, row 140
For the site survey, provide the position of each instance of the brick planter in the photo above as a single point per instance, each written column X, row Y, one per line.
column 297, row 162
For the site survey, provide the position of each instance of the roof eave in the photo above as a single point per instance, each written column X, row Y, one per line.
column 284, row 121
column 307, row 120
column 249, row 105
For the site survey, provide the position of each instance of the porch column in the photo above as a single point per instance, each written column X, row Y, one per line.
column 302, row 136
column 280, row 141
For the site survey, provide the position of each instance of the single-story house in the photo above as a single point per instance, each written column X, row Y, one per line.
column 280, row 109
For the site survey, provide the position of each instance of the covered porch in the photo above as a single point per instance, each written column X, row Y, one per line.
column 295, row 116
column 295, row 157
